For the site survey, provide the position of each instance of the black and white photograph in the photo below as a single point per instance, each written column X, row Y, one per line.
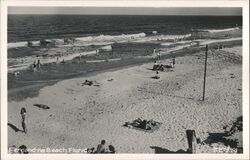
column 125, row 80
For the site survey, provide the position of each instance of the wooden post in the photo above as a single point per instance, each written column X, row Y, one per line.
column 205, row 72
column 191, row 137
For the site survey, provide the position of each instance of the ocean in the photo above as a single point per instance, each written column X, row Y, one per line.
column 100, row 31
column 35, row 27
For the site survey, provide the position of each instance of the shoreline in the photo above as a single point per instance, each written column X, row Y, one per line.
column 74, row 55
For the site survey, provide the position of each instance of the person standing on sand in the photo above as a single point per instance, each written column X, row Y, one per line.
column 101, row 147
column 173, row 61
column 34, row 66
column 159, row 55
column 23, row 115
column 154, row 53
column 80, row 57
column 97, row 52
column 38, row 63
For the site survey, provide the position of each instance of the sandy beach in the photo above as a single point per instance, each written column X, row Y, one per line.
column 81, row 116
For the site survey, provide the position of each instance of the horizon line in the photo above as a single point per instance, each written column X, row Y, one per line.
column 128, row 15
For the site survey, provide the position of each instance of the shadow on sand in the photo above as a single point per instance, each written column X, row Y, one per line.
column 160, row 150
column 14, row 128
column 236, row 126
column 220, row 138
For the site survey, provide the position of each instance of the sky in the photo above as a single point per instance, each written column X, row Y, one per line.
column 213, row 11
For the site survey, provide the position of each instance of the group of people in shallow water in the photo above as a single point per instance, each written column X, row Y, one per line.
column 101, row 148
column 35, row 65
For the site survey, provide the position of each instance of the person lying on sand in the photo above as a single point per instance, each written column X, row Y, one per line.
column 143, row 124
column 87, row 82
column 90, row 83
column 158, row 67
column 135, row 123
column 43, row 106
column 168, row 66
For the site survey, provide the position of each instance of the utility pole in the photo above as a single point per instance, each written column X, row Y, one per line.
column 205, row 72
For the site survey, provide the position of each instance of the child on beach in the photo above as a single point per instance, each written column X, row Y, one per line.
column 23, row 115
column 111, row 149
column 157, row 76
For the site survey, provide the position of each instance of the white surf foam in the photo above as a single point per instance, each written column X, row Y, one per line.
column 219, row 30
column 86, row 41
